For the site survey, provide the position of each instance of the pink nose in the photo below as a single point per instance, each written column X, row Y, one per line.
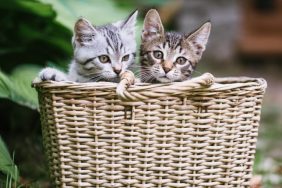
column 117, row 70
column 167, row 66
column 166, row 69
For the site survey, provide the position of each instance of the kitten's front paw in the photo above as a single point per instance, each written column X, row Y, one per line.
column 127, row 79
column 121, row 89
column 129, row 76
column 52, row 74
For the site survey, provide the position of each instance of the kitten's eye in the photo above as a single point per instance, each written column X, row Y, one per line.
column 158, row 54
column 181, row 60
column 125, row 58
column 104, row 59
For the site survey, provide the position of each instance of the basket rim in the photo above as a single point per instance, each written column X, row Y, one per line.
column 221, row 83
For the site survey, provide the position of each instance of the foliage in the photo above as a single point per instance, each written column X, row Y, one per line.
column 30, row 37
column 268, row 164
column 7, row 166
column 95, row 10
column 30, row 34
column 16, row 87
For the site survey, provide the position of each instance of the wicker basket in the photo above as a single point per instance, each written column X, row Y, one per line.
column 188, row 134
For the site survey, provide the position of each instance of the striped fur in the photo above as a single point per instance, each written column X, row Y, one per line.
column 179, row 53
column 101, row 53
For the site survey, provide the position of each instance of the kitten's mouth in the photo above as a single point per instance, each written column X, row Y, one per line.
column 165, row 76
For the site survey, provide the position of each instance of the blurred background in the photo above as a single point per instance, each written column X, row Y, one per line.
column 246, row 40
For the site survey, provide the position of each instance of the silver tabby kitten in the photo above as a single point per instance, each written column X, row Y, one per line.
column 101, row 53
column 169, row 56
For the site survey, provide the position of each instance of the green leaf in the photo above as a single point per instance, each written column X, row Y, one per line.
column 37, row 8
column 5, row 84
column 30, row 7
column 17, row 86
column 97, row 11
column 7, row 165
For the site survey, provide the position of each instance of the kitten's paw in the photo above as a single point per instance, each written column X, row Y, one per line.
column 52, row 74
column 121, row 89
column 129, row 76
column 127, row 79
column 137, row 80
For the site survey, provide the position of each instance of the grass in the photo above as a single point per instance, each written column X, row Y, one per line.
column 8, row 167
column 268, row 161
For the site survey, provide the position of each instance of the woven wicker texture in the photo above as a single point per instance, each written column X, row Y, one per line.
column 197, row 133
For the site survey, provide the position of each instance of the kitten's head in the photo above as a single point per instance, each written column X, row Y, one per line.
column 170, row 57
column 102, row 53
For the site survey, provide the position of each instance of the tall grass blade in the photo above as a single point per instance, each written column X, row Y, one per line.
column 7, row 165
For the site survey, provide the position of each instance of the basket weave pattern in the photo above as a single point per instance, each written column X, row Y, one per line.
column 169, row 135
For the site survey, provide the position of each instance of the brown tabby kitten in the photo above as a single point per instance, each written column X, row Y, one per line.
column 169, row 56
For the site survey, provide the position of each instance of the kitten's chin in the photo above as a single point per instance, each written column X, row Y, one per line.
column 109, row 77
column 112, row 79
column 106, row 79
column 164, row 80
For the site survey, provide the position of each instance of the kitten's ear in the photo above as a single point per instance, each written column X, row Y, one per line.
column 83, row 31
column 153, row 26
column 199, row 38
column 128, row 25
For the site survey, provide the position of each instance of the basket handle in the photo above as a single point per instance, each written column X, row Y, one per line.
column 125, row 92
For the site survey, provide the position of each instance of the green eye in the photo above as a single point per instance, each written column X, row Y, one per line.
column 181, row 60
column 158, row 54
column 125, row 58
column 104, row 58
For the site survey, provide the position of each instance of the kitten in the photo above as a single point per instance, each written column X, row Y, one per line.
column 169, row 56
column 101, row 53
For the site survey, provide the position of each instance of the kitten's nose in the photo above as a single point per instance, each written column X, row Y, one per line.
column 167, row 66
column 166, row 69
column 117, row 70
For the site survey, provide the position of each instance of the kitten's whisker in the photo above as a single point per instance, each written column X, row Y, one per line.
column 144, row 76
column 141, row 73
column 140, row 67
column 96, row 76
column 93, row 74
column 147, row 77
column 149, row 80
column 137, row 74
column 134, row 65
column 198, row 72
column 95, row 79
